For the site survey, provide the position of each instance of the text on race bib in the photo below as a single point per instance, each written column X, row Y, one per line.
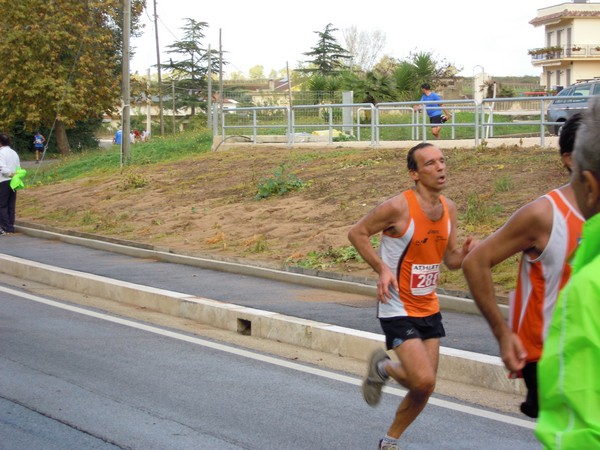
column 424, row 278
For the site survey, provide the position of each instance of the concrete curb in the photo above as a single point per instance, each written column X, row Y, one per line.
column 447, row 302
column 456, row 365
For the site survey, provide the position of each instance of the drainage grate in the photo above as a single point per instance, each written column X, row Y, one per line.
column 244, row 327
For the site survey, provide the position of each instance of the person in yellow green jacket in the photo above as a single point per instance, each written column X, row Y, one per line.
column 569, row 370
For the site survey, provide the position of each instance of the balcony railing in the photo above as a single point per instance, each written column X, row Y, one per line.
column 560, row 52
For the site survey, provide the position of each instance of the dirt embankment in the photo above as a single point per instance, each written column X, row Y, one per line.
column 206, row 205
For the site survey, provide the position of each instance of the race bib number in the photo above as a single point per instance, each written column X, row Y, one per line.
column 424, row 278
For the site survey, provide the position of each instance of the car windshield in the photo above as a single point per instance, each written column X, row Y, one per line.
column 563, row 93
column 583, row 90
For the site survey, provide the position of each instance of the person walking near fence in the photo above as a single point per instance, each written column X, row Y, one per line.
column 434, row 110
column 418, row 229
column 9, row 164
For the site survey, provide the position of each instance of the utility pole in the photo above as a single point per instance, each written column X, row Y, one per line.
column 220, row 75
column 173, row 95
column 125, row 143
column 160, row 100
column 148, row 106
column 209, row 95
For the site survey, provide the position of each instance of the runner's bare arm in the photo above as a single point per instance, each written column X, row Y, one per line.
column 387, row 216
column 523, row 231
column 455, row 253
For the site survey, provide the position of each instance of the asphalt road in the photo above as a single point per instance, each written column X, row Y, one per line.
column 464, row 331
column 73, row 378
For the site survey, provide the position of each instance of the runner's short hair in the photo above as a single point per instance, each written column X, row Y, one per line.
column 411, row 161
column 566, row 141
column 587, row 142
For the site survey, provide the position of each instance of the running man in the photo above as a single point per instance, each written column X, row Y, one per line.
column 418, row 229
column 38, row 144
column 546, row 232
column 434, row 111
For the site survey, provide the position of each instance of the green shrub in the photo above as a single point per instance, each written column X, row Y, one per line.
column 133, row 180
column 279, row 184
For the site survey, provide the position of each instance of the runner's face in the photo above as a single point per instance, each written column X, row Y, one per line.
column 431, row 168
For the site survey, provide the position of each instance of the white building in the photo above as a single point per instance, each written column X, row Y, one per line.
column 571, row 49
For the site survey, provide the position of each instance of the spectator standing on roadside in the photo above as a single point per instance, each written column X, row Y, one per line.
column 38, row 144
column 118, row 137
column 9, row 163
column 434, row 110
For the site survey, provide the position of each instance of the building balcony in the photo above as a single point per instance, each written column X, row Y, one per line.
column 575, row 51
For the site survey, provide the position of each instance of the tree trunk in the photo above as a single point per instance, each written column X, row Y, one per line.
column 62, row 142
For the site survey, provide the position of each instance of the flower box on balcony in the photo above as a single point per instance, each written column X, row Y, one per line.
column 575, row 51
column 551, row 52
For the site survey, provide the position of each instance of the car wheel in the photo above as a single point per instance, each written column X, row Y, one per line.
column 558, row 128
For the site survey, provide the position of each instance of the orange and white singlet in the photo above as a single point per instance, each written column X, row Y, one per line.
column 415, row 257
column 541, row 279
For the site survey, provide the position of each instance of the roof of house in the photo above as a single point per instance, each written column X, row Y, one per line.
column 259, row 85
column 564, row 14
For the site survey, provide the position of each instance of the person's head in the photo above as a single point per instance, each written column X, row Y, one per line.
column 426, row 164
column 4, row 139
column 585, row 178
column 426, row 87
column 566, row 141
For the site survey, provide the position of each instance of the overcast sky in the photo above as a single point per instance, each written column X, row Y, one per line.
column 473, row 35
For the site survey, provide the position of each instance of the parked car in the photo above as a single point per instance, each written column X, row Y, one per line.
column 560, row 110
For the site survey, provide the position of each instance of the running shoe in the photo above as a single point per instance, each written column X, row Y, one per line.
column 373, row 382
column 387, row 446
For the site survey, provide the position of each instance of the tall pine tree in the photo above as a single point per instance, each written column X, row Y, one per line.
column 328, row 57
column 191, row 71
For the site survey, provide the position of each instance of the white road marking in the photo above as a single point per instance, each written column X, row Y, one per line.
column 268, row 359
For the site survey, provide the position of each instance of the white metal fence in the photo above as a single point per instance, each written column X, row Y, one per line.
column 492, row 118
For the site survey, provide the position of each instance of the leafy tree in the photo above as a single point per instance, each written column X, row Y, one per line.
column 371, row 87
column 408, row 83
column 324, row 86
column 61, row 62
column 257, row 72
column 408, row 74
column 328, row 57
column 191, row 71
column 364, row 46
column 386, row 65
column 418, row 68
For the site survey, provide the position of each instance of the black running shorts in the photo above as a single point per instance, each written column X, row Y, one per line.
column 399, row 329
column 435, row 119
